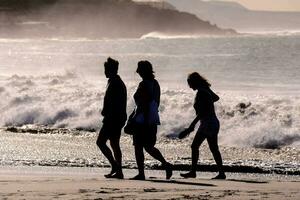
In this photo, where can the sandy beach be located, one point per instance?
(89, 183)
(60, 63)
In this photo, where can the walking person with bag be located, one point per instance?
(146, 119)
(114, 118)
(209, 127)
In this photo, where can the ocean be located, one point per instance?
(51, 94)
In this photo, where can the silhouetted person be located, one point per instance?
(209, 127)
(147, 99)
(114, 113)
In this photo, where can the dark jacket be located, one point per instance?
(147, 91)
(115, 102)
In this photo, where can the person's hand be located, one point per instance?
(191, 127)
(184, 133)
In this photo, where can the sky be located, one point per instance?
(279, 5)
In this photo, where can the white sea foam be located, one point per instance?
(70, 101)
(273, 32)
(160, 35)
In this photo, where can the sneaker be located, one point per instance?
(118, 175)
(220, 176)
(109, 175)
(113, 171)
(190, 174)
(138, 177)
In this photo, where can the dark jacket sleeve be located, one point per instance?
(142, 97)
(115, 102)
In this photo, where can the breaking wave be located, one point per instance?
(274, 33)
(68, 101)
(160, 35)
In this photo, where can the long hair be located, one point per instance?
(196, 79)
(145, 69)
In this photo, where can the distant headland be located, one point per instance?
(97, 19)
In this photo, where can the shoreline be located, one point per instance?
(176, 167)
(38, 146)
(86, 183)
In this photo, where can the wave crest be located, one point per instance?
(161, 35)
(67, 101)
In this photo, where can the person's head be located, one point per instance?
(195, 81)
(145, 69)
(111, 67)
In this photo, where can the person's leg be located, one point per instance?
(139, 157)
(198, 140)
(139, 153)
(115, 145)
(101, 143)
(214, 148)
(149, 145)
(155, 153)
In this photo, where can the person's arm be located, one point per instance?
(106, 100)
(194, 122)
(141, 98)
(190, 129)
(141, 95)
(198, 107)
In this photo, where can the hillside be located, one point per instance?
(95, 19)
(234, 15)
(157, 4)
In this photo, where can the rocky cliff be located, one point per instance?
(95, 19)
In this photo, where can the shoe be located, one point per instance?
(109, 175)
(169, 171)
(190, 174)
(138, 177)
(117, 175)
(220, 176)
(113, 171)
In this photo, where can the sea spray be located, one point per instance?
(69, 101)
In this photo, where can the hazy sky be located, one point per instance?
(288, 5)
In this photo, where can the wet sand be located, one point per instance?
(69, 148)
(89, 183)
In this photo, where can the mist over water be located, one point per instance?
(61, 84)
